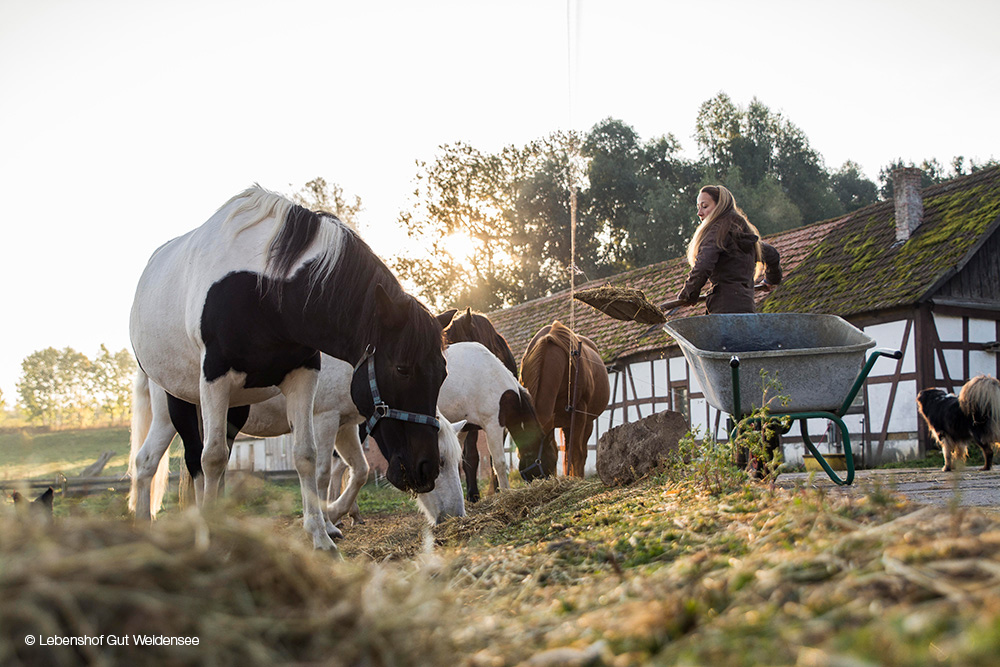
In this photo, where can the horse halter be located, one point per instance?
(382, 409)
(536, 464)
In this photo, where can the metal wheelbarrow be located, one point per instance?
(816, 363)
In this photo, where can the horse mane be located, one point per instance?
(294, 230)
(531, 365)
(563, 336)
(478, 328)
(344, 259)
(358, 273)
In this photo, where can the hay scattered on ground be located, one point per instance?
(563, 571)
(622, 303)
(248, 595)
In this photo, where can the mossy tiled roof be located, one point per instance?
(844, 266)
(860, 268)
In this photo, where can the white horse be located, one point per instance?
(238, 310)
(481, 390)
(336, 420)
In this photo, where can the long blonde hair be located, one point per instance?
(729, 213)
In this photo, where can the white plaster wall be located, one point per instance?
(678, 369)
(982, 331)
(949, 328)
(982, 362)
(643, 377)
(904, 408)
(890, 336)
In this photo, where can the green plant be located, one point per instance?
(758, 433)
(713, 465)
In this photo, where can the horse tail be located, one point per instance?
(980, 401)
(142, 419)
(533, 375)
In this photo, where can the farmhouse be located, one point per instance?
(920, 273)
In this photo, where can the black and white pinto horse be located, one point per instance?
(239, 309)
(336, 421)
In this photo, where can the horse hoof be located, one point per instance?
(324, 543)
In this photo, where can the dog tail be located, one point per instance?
(980, 401)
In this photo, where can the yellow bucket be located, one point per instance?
(835, 461)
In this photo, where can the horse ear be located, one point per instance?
(446, 317)
(393, 314)
(458, 426)
(468, 311)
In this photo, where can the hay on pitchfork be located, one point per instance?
(622, 303)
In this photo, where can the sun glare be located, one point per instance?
(459, 246)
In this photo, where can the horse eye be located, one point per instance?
(403, 370)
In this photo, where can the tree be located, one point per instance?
(318, 195)
(764, 146)
(933, 172)
(113, 376)
(852, 188)
(39, 388)
(75, 374)
(641, 196)
(766, 204)
(62, 387)
(465, 217)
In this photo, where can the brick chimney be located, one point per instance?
(909, 204)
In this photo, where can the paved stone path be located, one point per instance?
(927, 486)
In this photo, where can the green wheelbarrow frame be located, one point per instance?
(835, 417)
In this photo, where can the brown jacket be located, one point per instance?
(731, 270)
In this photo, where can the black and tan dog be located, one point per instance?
(972, 415)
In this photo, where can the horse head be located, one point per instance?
(396, 386)
(517, 415)
(538, 458)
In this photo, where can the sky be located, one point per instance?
(124, 124)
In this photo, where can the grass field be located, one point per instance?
(29, 456)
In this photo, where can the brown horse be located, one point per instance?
(565, 375)
(476, 328)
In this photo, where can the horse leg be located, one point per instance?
(337, 471)
(470, 465)
(184, 417)
(340, 468)
(577, 452)
(299, 388)
(325, 426)
(494, 440)
(351, 452)
(215, 456)
(236, 419)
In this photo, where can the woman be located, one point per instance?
(727, 250)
